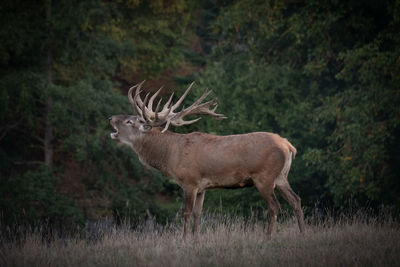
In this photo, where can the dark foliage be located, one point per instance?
(324, 74)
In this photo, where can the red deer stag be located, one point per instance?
(200, 161)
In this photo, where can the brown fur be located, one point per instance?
(200, 161)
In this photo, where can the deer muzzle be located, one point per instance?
(113, 135)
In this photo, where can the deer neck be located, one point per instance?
(154, 148)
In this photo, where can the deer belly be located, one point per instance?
(225, 182)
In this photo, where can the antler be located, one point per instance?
(168, 115)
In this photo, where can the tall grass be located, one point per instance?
(356, 240)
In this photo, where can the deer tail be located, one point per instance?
(291, 148)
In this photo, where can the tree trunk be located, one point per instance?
(48, 134)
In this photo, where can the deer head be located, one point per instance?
(130, 126)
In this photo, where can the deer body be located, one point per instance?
(200, 161)
(217, 160)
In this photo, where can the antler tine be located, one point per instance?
(138, 90)
(166, 126)
(157, 108)
(136, 99)
(181, 122)
(198, 101)
(145, 115)
(138, 110)
(165, 117)
(215, 108)
(205, 110)
(131, 99)
(177, 104)
(199, 108)
(150, 105)
(166, 106)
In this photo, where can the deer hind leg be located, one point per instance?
(189, 198)
(196, 213)
(294, 201)
(267, 192)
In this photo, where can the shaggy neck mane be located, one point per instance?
(154, 148)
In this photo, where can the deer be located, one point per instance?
(199, 161)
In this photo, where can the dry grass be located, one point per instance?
(355, 241)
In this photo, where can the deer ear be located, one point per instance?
(145, 128)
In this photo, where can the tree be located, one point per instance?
(60, 77)
(320, 74)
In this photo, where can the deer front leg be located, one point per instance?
(196, 213)
(189, 198)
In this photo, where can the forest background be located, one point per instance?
(324, 74)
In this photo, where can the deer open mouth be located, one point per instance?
(114, 135)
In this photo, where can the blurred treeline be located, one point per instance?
(324, 74)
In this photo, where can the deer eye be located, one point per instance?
(129, 122)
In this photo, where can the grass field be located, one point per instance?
(356, 240)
